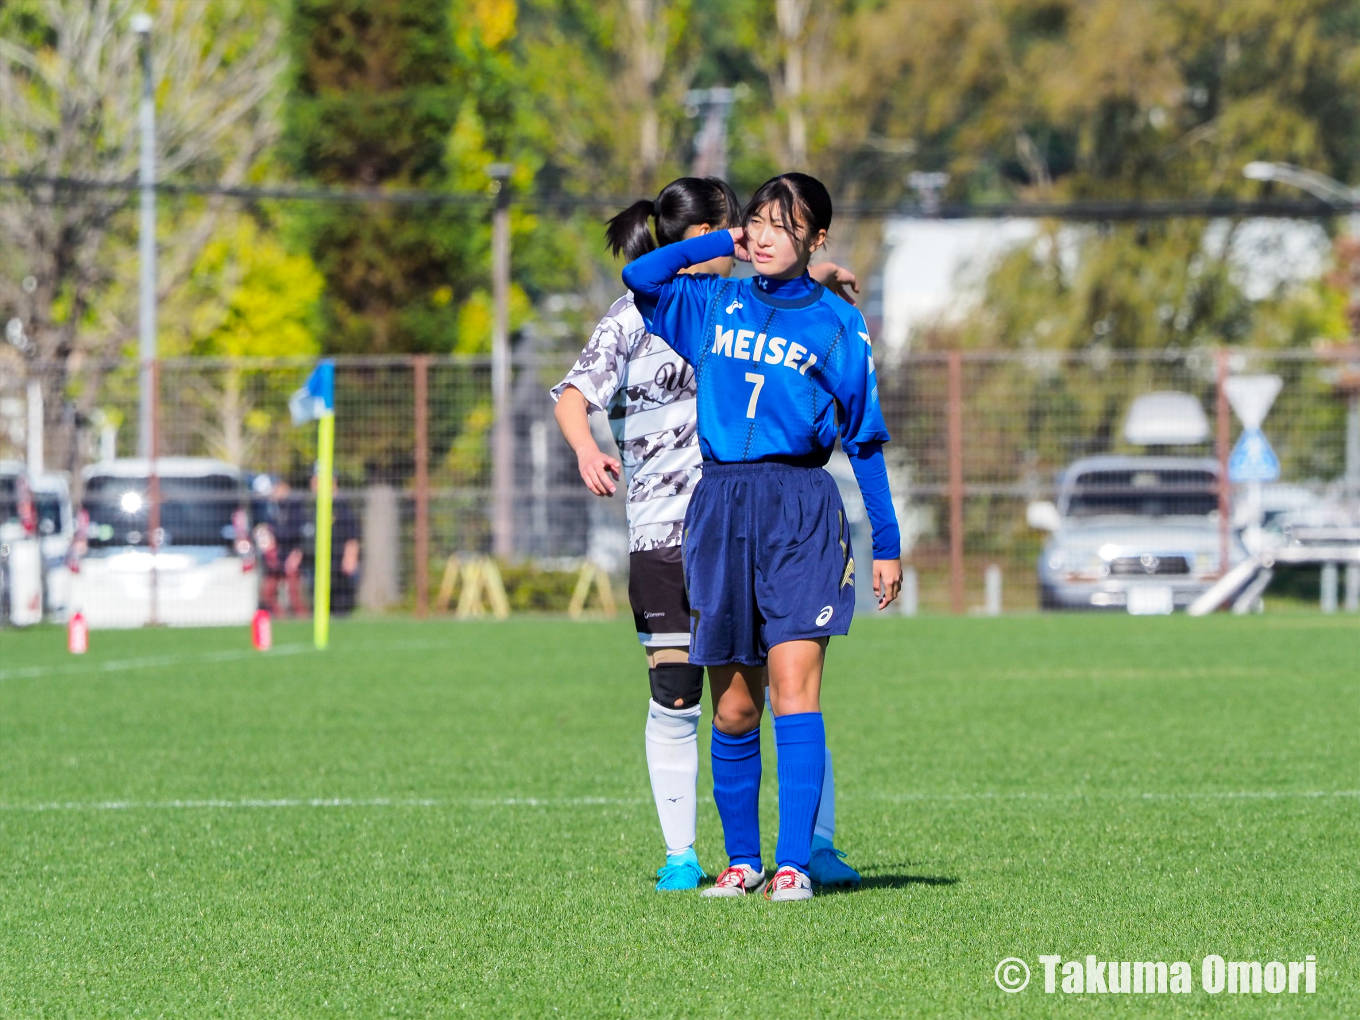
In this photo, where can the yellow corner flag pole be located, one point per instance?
(316, 402)
(325, 464)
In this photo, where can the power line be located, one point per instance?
(66, 189)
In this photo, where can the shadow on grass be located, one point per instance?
(902, 881)
(898, 882)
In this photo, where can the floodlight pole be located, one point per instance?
(141, 24)
(710, 142)
(502, 440)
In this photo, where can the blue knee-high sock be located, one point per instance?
(801, 740)
(736, 791)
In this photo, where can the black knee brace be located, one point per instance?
(676, 684)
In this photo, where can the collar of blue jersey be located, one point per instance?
(799, 292)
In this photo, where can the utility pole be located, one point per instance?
(503, 438)
(710, 142)
(141, 24)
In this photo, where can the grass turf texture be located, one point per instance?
(1136, 788)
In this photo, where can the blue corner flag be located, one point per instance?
(317, 398)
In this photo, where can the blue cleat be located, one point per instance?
(682, 871)
(828, 868)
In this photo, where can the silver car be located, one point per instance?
(1140, 534)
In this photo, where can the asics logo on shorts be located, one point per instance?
(824, 616)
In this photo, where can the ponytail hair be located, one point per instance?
(683, 203)
(803, 202)
(629, 232)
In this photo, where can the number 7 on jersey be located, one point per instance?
(759, 380)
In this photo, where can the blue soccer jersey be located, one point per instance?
(782, 368)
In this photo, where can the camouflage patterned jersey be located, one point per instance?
(648, 392)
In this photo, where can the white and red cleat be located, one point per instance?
(737, 880)
(788, 884)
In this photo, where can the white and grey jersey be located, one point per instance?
(648, 392)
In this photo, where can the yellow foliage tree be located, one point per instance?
(247, 297)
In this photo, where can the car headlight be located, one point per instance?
(1088, 567)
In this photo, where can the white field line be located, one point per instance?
(222, 655)
(1114, 795)
(547, 802)
(149, 662)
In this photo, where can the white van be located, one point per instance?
(56, 530)
(20, 554)
(202, 572)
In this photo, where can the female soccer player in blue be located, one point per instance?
(648, 393)
(781, 367)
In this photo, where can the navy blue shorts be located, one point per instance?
(767, 560)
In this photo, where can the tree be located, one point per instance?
(372, 104)
(247, 297)
(69, 87)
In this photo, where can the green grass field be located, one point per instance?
(439, 819)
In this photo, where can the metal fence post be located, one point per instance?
(992, 587)
(955, 482)
(420, 368)
(1224, 424)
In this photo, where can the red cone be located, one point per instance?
(261, 633)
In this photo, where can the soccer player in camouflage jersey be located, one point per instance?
(648, 393)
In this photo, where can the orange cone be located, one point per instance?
(261, 632)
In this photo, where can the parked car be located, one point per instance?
(202, 570)
(1131, 532)
(56, 530)
(20, 554)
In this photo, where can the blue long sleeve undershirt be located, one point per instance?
(871, 473)
(646, 276)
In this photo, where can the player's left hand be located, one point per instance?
(887, 581)
(837, 279)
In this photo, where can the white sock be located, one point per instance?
(826, 811)
(673, 763)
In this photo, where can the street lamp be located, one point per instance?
(141, 24)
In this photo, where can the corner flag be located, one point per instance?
(316, 402)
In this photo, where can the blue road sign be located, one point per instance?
(1252, 459)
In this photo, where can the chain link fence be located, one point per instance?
(980, 440)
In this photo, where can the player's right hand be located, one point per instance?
(596, 467)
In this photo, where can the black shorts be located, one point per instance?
(656, 590)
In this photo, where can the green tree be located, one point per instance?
(372, 104)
